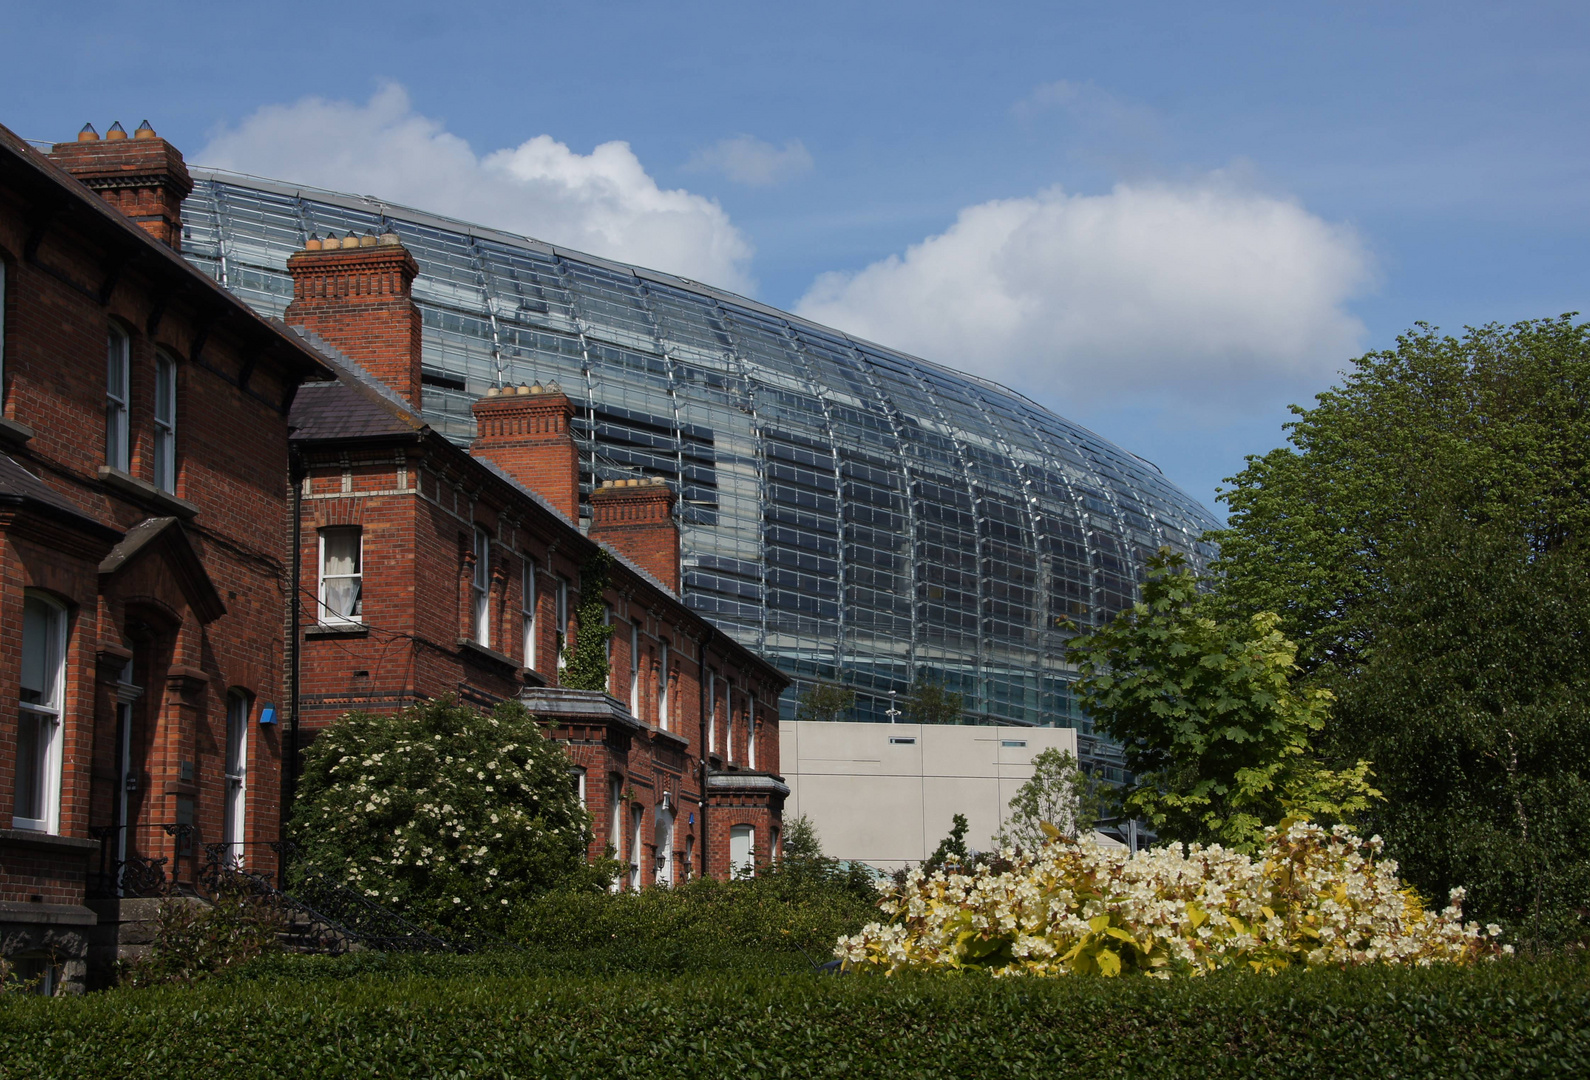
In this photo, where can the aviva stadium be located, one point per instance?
(850, 512)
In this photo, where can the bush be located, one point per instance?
(776, 922)
(443, 814)
(1311, 899)
(194, 939)
(1508, 1019)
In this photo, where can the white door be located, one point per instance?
(237, 710)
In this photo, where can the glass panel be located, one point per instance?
(342, 583)
(33, 740)
(40, 664)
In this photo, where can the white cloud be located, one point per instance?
(1206, 289)
(748, 160)
(604, 202)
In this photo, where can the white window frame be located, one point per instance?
(664, 721)
(480, 588)
(562, 628)
(615, 824)
(234, 825)
(118, 369)
(165, 423)
(634, 668)
(50, 716)
(327, 617)
(750, 732)
(746, 866)
(527, 612)
(712, 713)
(637, 825)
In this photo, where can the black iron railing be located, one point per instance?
(139, 873)
(325, 916)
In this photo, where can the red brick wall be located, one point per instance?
(636, 518)
(231, 451)
(145, 178)
(526, 434)
(358, 299)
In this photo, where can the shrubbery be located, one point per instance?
(196, 938)
(1508, 1019)
(1312, 898)
(444, 814)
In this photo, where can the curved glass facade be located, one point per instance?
(848, 511)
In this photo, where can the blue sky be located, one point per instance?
(1165, 221)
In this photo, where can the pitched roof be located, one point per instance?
(19, 487)
(54, 187)
(354, 406)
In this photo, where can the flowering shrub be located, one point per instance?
(1311, 898)
(443, 814)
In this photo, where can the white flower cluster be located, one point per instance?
(1311, 898)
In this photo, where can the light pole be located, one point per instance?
(891, 712)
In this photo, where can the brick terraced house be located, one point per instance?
(429, 570)
(144, 517)
(164, 452)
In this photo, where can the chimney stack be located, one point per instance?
(635, 518)
(525, 433)
(144, 177)
(357, 293)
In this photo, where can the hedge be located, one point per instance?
(1511, 1018)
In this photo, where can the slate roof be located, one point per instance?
(354, 406)
(19, 487)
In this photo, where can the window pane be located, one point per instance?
(115, 366)
(33, 740)
(236, 731)
(165, 396)
(343, 596)
(40, 665)
(342, 552)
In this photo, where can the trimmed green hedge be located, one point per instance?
(1515, 1019)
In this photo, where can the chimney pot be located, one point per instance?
(367, 240)
(144, 131)
(313, 243)
(537, 388)
(390, 239)
(350, 241)
(492, 391)
(522, 389)
(116, 131)
(88, 134)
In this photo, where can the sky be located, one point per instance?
(1167, 222)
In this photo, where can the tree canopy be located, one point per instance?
(1425, 538)
(442, 813)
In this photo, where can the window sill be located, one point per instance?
(47, 841)
(13, 433)
(337, 630)
(466, 645)
(146, 493)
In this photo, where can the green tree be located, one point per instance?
(801, 840)
(928, 702)
(1424, 538)
(588, 666)
(1059, 793)
(1207, 715)
(442, 813)
(825, 701)
(951, 849)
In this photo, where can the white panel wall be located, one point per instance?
(889, 803)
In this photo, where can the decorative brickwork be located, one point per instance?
(525, 433)
(357, 296)
(144, 177)
(635, 517)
